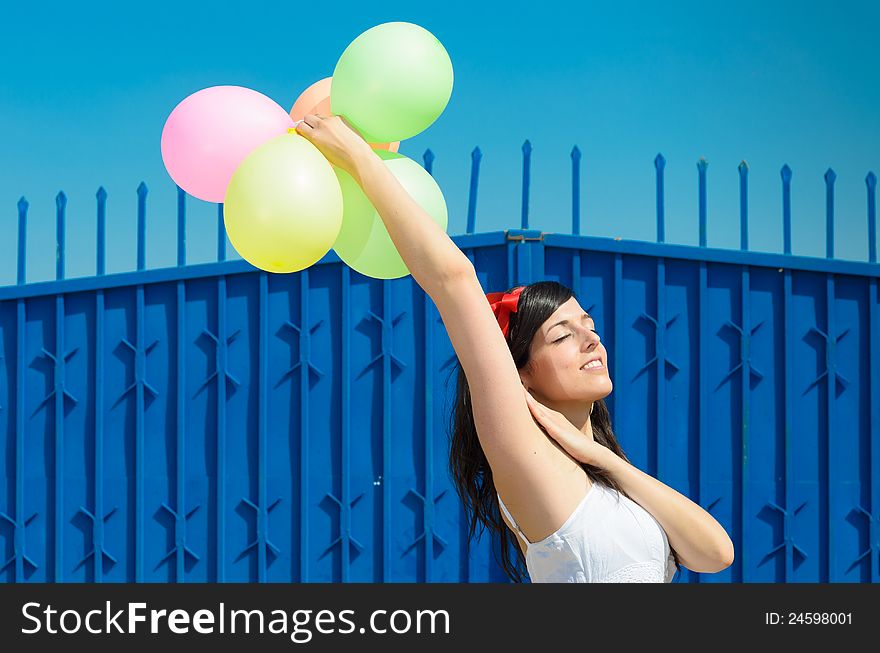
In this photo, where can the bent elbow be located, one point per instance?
(451, 276)
(725, 558)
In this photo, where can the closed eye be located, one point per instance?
(568, 334)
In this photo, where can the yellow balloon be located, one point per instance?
(283, 205)
(364, 243)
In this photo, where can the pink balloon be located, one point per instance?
(210, 133)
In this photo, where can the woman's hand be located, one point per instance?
(341, 145)
(582, 447)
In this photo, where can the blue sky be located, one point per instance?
(85, 89)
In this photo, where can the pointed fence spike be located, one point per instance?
(22, 239)
(871, 182)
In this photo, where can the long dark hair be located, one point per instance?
(470, 469)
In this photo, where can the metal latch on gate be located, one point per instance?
(524, 234)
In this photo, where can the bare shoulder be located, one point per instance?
(543, 500)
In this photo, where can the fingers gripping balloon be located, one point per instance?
(316, 100)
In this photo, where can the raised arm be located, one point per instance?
(519, 453)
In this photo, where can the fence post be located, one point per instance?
(101, 244)
(702, 164)
(476, 157)
(60, 211)
(575, 190)
(786, 208)
(830, 176)
(527, 162)
(659, 167)
(743, 205)
(22, 239)
(221, 234)
(141, 225)
(428, 158)
(871, 182)
(181, 227)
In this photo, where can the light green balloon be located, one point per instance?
(392, 82)
(283, 205)
(363, 242)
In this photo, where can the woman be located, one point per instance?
(533, 366)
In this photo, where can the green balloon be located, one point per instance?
(363, 242)
(392, 82)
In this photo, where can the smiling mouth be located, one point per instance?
(593, 365)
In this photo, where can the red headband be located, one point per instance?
(503, 304)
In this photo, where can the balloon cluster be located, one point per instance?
(285, 205)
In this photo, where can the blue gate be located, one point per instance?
(215, 422)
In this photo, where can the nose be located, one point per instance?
(591, 340)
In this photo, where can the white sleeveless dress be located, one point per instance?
(609, 538)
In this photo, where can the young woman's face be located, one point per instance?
(558, 355)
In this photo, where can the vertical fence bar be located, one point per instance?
(743, 169)
(60, 212)
(618, 338)
(788, 407)
(222, 365)
(141, 225)
(262, 512)
(510, 281)
(387, 326)
(59, 390)
(305, 332)
(660, 367)
(703, 398)
(98, 516)
(702, 165)
(181, 227)
(181, 514)
(575, 218)
(18, 537)
(659, 168)
(873, 452)
(871, 183)
(830, 383)
(830, 367)
(428, 158)
(101, 237)
(575, 190)
(526, 177)
(785, 173)
(830, 176)
(428, 387)
(140, 367)
(345, 447)
(221, 234)
(22, 240)
(476, 157)
(745, 412)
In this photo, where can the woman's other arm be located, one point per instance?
(701, 542)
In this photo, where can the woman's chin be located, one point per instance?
(601, 390)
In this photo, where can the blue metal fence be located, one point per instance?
(215, 422)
